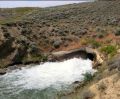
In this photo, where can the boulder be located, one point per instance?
(2, 71)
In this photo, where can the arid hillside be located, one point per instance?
(27, 34)
(13, 14)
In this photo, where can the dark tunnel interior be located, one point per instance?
(90, 56)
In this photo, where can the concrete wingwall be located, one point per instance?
(85, 53)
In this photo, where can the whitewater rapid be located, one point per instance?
(49, 74)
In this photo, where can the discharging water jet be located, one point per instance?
(50, 75)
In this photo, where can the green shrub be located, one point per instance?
(44, 58)
(109, 50)
(34, 58)
(95, 43)
(88, 77)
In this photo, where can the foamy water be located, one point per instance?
(50, 74)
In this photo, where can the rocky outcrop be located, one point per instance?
(16, 49)
(84, 53)
(2, 71)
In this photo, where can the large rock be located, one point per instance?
(2, 71)
(84, 53)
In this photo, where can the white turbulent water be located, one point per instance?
(45, 75)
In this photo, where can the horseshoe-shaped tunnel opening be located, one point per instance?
(91, 56)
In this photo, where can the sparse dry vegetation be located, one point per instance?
(26, 34)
